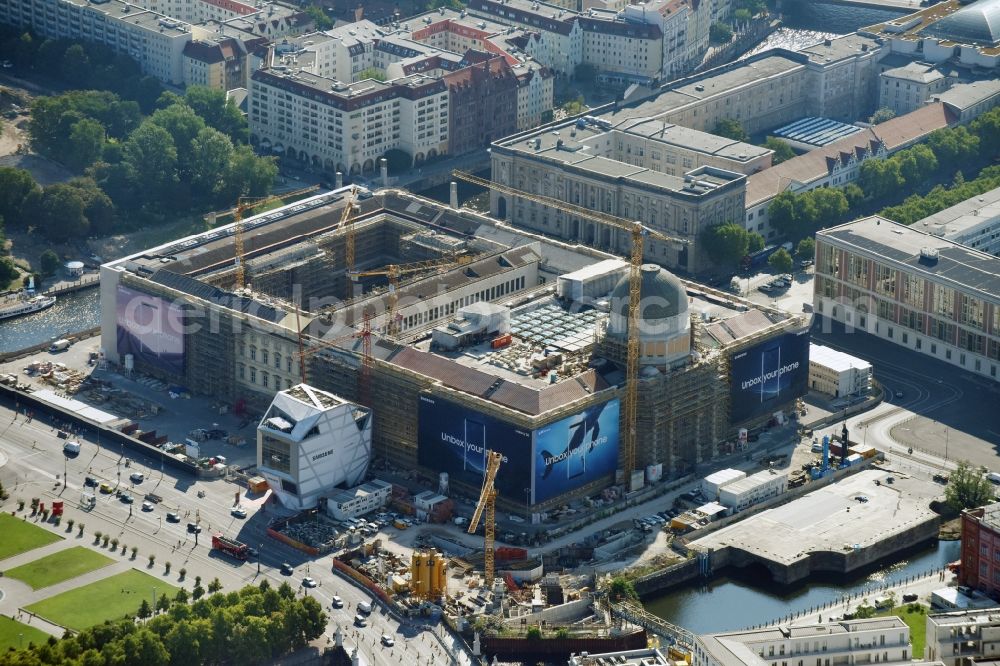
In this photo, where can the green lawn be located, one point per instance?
(917, 621)
(20, 536)
(59, 566)
(13, 634)
(107, 599)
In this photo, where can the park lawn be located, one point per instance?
(20, 536)
(60, 566)
(14, 634)
(915, 616)
(108, 599)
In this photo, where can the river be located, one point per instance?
(736, 600)
(72, 312)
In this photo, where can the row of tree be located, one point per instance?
(252, 626)
(80, 65)
(190, 154)
(916, 207)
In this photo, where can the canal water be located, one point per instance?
(72, 312)
(739, 599)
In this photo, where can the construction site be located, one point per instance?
(586, 373)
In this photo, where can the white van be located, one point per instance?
(994, 477)
(71, 448)
(365, 607)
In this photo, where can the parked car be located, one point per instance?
(308, 582)
(173, 518)
(137, 477)
(126, 498)
(286, 569)
(147, 506)
(387, 640)
(360, 621)
(90, 482)
(337, 602)
(239, 512)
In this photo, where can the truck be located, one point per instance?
(230, 547)
(60, 345)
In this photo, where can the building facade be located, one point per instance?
(358, 501)
(913, 289)
(741, 494)
(963, 637)
(838, 374)
(907, 88)
(884, 640)
(310, 442)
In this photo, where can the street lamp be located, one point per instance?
(259, 549)
(527, 504)
(154, 601)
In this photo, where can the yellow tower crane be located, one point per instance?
(393, 272)
(244, 204)
(638, 233)
(347, 220)
(487, 502)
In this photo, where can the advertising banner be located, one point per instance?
(576, 450)
(151, 329)
(768, 375)
(454, 439)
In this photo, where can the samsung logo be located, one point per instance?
(322, 455)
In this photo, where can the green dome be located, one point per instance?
(662, 295)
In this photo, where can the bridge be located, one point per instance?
(673, 634)
(901, 6)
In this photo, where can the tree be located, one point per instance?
(8, 272)
(854, 195)
(214, 586)
(742, 15)
(218, 111)
(75, 64)
(968, 488)
(248, 175)
(726, 244)
(533, 634)
(880, 178)
(574, 107)
(881, 115)
(144, 610)
(720, 33)
(953, 146)
(197, 592)
(830, 208)
(755, 242)
(163, 603)
(151, 153)
(780, 261)
(49, 262)
(86, 142)
(622, 589)
(398, 160)
(782, 151)
(15, 186)
(806, 248)
(184, 126)
(211, 152)
(731, 129)
(371, 73)
(58, 212)
(182, 596)
(916, 164)
(319, 17)
(182, 571)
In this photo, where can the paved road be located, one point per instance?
(35, 464)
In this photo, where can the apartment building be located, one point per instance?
(980, 568)
(652, 41)
(928, 294)
(884, 640)
(346, 127)
(963, 637)
(153, 40)
(218, 63)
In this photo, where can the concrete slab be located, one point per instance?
(830, 529)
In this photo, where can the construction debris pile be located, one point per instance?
(57, 374)
(316, 532)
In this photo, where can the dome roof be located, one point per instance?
(662, 295)
(978, 23)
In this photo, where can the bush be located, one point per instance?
(533, 634)
(806, 248)
(720, 33)
(49, 263)
(781, 261)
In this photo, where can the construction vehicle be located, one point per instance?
(638, 233)
(487, 503)
(230, 547)
(244, 205)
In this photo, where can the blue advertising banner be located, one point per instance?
(768, 375)
(151, 329)
(454, 439)
(576, 450)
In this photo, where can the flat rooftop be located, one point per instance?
(836, 360)
(968, 214)
(966, 269)
(831, 519)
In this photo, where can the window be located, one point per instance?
(253, 353)
(253, 375)
(275, 453)
(264, 379)
(277, 360)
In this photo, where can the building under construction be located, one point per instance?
(463, 335)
